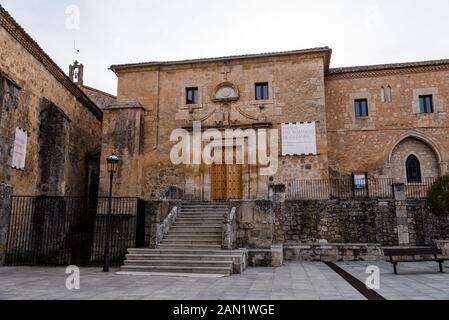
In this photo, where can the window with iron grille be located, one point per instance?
(361, 107)
(426, 104)
(262, 91)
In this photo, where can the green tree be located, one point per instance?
(439, 197)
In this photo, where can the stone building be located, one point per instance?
(48, 125)
(400, 127)
(386, 121)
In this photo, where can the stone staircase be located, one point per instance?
(192, 245)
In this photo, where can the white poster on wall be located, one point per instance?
(299, 139)
(20, 149)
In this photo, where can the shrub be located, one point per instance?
(439, 197)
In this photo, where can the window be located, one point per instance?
(192, 96)
(9, 93)
(382, 94)
(262, 91)
(389, 94)
(413, 168)
(361, 108)
(426, 104)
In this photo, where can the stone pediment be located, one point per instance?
(226, 92)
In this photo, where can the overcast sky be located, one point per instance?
(123, 31)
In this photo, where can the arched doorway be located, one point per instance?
(413, 160)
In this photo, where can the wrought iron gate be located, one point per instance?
(61, 231)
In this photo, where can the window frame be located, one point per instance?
(413, 170)
(264, 90)
(195, 96)
(426, 104)
(358, 108)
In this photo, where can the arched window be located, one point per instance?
(382, 94)
(413, 167)
(389, 94)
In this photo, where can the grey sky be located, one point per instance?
(119, 31)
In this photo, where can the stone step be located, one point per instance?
(214, 210)
(180, 263)
(200, 216)
(196, 229)
(178, 269)
(184, 252)
(199, 222)
(193, 237)
(191, 242)
(183, 219)
(190, 232)
(189, 246)
(205, 204)
(177, 256)
(200, 213)
(197, 225)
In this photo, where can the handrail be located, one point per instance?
(164, 227)
(228, 229)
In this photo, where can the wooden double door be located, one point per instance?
(227, 182)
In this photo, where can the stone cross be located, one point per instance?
(225, 73)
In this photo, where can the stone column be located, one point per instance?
(401, 214)
(5, 210)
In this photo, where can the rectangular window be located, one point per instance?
(361, 108)
(262, 91)
(426, 104)
(192, 96)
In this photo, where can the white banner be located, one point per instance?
(299, 139)
(20, 149)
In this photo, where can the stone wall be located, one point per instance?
(254, 224)
(40, 79)
(358, 221)
(5, 207)
(333, 221)
(424, 228)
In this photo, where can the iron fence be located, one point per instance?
(419, 190)
(349, 188)
(60, 231)
(323, 189)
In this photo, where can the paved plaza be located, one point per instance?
(293, 281)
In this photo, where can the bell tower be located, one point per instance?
(76, 72)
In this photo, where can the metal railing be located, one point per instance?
(343, 189)
(419, 190)
(60, 231)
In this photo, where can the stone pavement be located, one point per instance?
(415, 281)
(294, 281)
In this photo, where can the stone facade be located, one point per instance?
(296, 83)
(379, 144)
(62, 124)
(302, 88)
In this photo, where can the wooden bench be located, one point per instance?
(414, 255)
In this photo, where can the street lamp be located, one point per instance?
(112, 161)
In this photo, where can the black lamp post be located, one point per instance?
(113, 161)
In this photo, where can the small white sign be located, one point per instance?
(20, 149)
(360, 180)
(299, 139)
